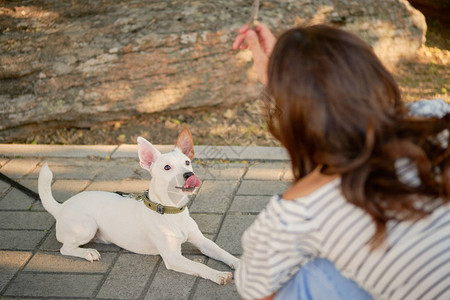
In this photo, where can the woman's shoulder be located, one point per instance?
(310, 185)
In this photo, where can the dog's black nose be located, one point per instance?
(187, 175)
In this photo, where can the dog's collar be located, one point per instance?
(159, 208)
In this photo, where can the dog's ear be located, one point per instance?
(148, 154)
(185, 143)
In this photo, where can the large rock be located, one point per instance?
(80, 62)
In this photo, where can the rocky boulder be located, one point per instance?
(80, 62)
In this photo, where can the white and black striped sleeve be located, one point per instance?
(274, 248)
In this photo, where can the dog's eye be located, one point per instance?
(188, 163)
(167, 167)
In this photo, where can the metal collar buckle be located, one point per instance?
(160, 209)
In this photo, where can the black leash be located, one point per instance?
(19, 186)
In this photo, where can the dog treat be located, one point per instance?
(253, 22)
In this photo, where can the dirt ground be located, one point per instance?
(425, 76)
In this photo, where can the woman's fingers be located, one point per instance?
(244, 28)
(239, 41)
(268, 40)
(260, 58)
(254, 44)
(260, 42)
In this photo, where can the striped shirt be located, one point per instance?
(413, 263)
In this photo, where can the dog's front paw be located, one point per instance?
(92, 254)
(224, 278)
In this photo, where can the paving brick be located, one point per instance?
(256, 187)
(214, 196)
(123, 170)
(53, 285)
(25, 220)
(16, 200)
(288, 175)
(20, 239)
(84, 151)
(241, 153)
(52, 244)
(37, 206)
(129, 186)
(3, 187)
(208, 223)
(130, 151)
(13, 150)
(70, 169)
(207, 289)
(31, 184)
(248, 204)
(221, 152)
(11, 262)
(266, 171)
(55, 262)
(3, 161)
(128, 277)
(62, 190)
(169, 284)
(18, 167)
(226, 171)
(230, 234)
(126, 151)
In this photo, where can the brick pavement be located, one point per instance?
(237, 183)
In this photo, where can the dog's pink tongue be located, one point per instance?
(192, 182)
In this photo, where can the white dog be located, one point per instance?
(157, 224)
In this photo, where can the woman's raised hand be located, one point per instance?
(260, 41)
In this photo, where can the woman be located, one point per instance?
(372, 183)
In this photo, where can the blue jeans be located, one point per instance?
(319, 280)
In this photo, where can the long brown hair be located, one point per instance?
(333, 104)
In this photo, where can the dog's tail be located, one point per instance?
(45, 191)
